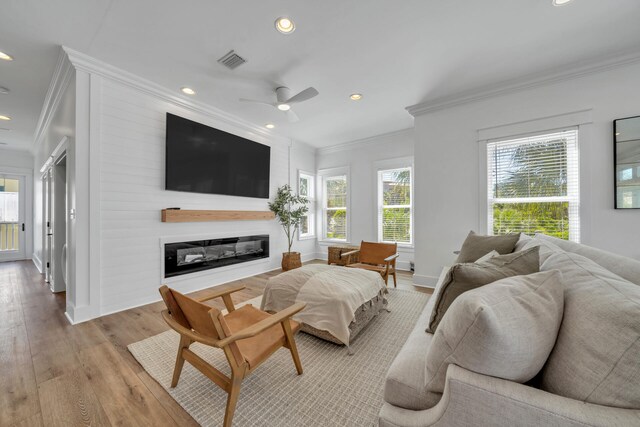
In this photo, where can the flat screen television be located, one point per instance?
(201, 159)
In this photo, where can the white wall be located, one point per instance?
(361, 157)
(448, 196)
(131, 179)
(16, 159)
(303, 158)
(21, 162)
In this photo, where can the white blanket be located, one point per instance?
(332, 293)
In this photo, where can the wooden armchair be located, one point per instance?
(380, 257)
(248, 336)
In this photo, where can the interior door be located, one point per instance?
(12, 217)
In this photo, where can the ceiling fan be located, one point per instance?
(284, 100)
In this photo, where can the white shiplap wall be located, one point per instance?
(132, 151)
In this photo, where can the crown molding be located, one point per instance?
(530, 81)
(92, 65)
(359, 143)
(60, 79)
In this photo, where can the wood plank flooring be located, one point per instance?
(56, 374)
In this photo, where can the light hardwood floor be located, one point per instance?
(56, 374)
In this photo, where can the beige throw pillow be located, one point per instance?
(476, 245)
(464, 277)
(505, 329)
(596, 358)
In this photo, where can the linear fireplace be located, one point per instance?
(188, 257)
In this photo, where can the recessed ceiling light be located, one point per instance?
(285, 25)
(269, 125)
(5, 118)
(284, 107)
(188, 90)
(6, 56)
(560, 2)
(356, 96)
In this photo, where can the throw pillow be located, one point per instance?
(464, 277)
(546, 248)
(476, 245)
(487, 256)
(505, 329)
(522, 240)
(596, 358)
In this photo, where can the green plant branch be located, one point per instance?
(289, 209)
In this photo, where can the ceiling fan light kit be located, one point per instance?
(284, 100)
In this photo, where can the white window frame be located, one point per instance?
(323, 175)
(573, 183)
(391, 164)
(311, 215)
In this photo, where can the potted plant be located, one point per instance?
(289, 209)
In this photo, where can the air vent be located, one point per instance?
(232, 60)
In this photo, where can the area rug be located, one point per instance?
(335, 390)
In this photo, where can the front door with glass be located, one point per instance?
(12, 227)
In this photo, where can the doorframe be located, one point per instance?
(28, 209)
(56, 156)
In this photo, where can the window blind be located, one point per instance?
(335, 207)
(533, 185)
(395, 206)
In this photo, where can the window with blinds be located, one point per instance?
(533, 185)
(335, 207)
(395, 214)
(306, 188)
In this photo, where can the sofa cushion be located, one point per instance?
(464, 277)
(546, 248)
(406, 380)
(596, 358)
(627, 268)
(476, 245)
(505, 329)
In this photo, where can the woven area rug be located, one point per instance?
(335, 390)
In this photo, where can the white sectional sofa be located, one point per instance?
(596, 358)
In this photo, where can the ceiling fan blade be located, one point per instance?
(254, 101)
(308, 93)
(292, 117)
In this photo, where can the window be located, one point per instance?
(533, 185)
(395, 201)
(334, 209)
(306, 188)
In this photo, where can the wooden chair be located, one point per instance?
(247, 336)
(380, 257)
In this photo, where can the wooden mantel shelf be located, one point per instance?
(175, 215)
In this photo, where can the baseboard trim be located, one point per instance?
(425, 281)
(37, 262)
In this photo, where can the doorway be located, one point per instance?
(54, 184)
(12, 217)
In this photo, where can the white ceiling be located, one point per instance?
(397, 53)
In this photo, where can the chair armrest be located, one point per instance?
(193, 335)
(501, 402)
(391, 258)
(349, 253)
(222, 292)
(262, 325)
